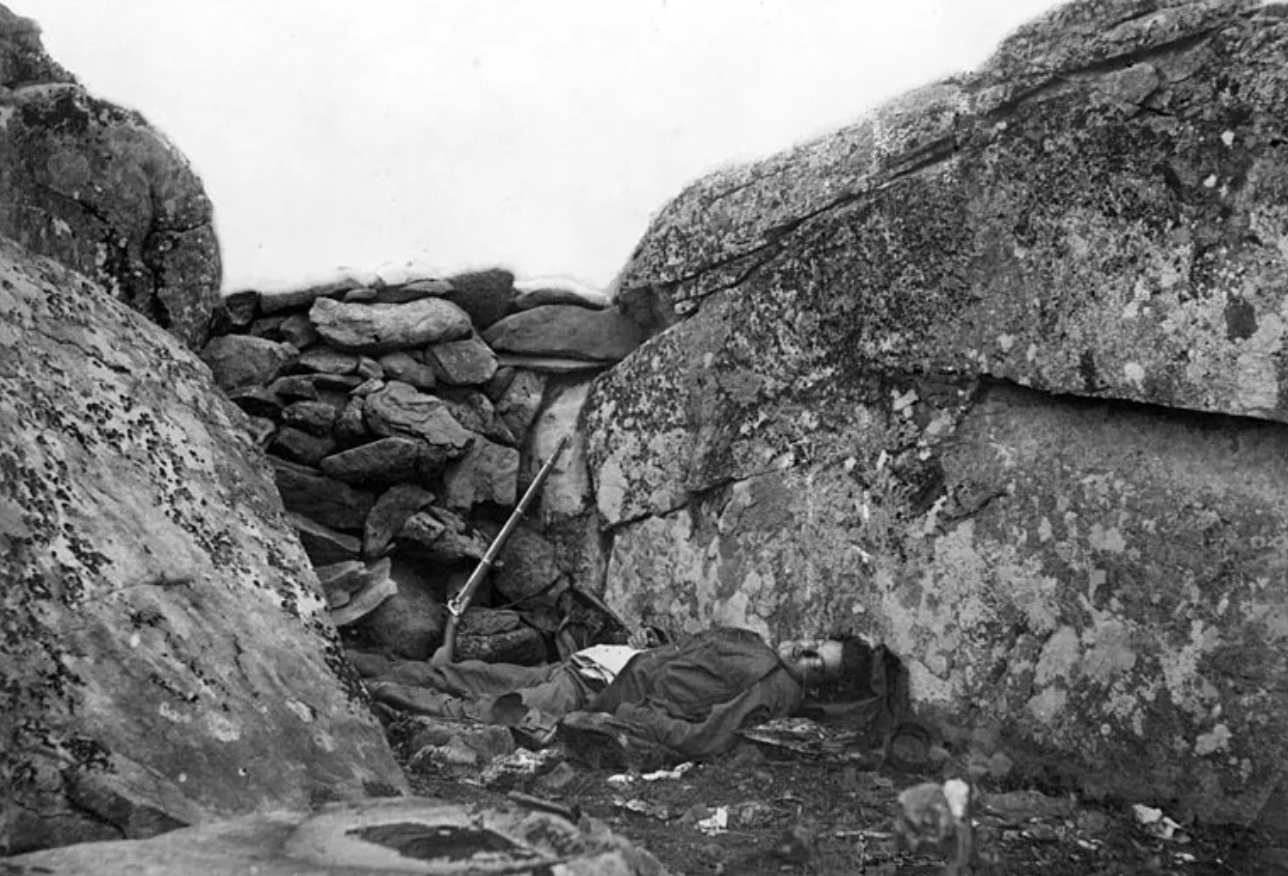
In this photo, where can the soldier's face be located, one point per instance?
(812, 661)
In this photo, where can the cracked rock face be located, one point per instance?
(97, 188)
(996, 374)
(166, 655)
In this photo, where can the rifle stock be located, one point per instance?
(446, 652)
(457, 605)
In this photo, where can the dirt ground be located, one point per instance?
(790, 816)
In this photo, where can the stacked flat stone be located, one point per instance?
(395, 416)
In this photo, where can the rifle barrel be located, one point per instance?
(458, 603)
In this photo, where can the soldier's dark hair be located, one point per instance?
(855, 679)
(872, 693)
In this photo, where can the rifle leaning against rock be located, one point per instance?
(457, 605)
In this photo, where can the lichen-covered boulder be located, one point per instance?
(1120, 234)
(416, 835)
(996, 374)
(166, 656)
(94, 186)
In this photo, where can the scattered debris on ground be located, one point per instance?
(752, 814)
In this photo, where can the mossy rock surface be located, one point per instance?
(96, 187)
(166, 654)
(997, 375)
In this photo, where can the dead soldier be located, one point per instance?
(687, 700)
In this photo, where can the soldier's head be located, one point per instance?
(834, 668)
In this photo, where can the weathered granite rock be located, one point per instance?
(423, 529)
(297, 331)
(97, 188)
(485, 295)
(314, 417)
(568, 491)
(392, 511)
(363, 295)
(566, 330)
(461, 363)
(482, 622)
(519, 403)
(328, 501)
(340, 580)
(566, 514)
(415, 834)
(487, 473)
(400, 409)
(386, 461)
(413, 291)
(499, 382)
(401, 366)
(828, 436)
(1143, 226)
(336, 384)
(527, 565)
(167, 658)
(323, 544)
(498, 636)
(234, 312)
(475, 412)
(261, 431)
(244, 360)
(268, 327)
(256, 401)
(351, 424)
(325, 360)
(383, 328)
(552, 364)
(302, 447)
(538, 291)
(23, 60)
(408, 624)
(355, 589)
(442, 536)
(295, 387)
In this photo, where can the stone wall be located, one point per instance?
(404, 420)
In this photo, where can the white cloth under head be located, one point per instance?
(602, 662)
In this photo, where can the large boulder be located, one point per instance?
(96, 187)
(167, 656)
(416, 835)
(862, 409)
(1116, 235)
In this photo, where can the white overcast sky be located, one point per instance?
(538, 135)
